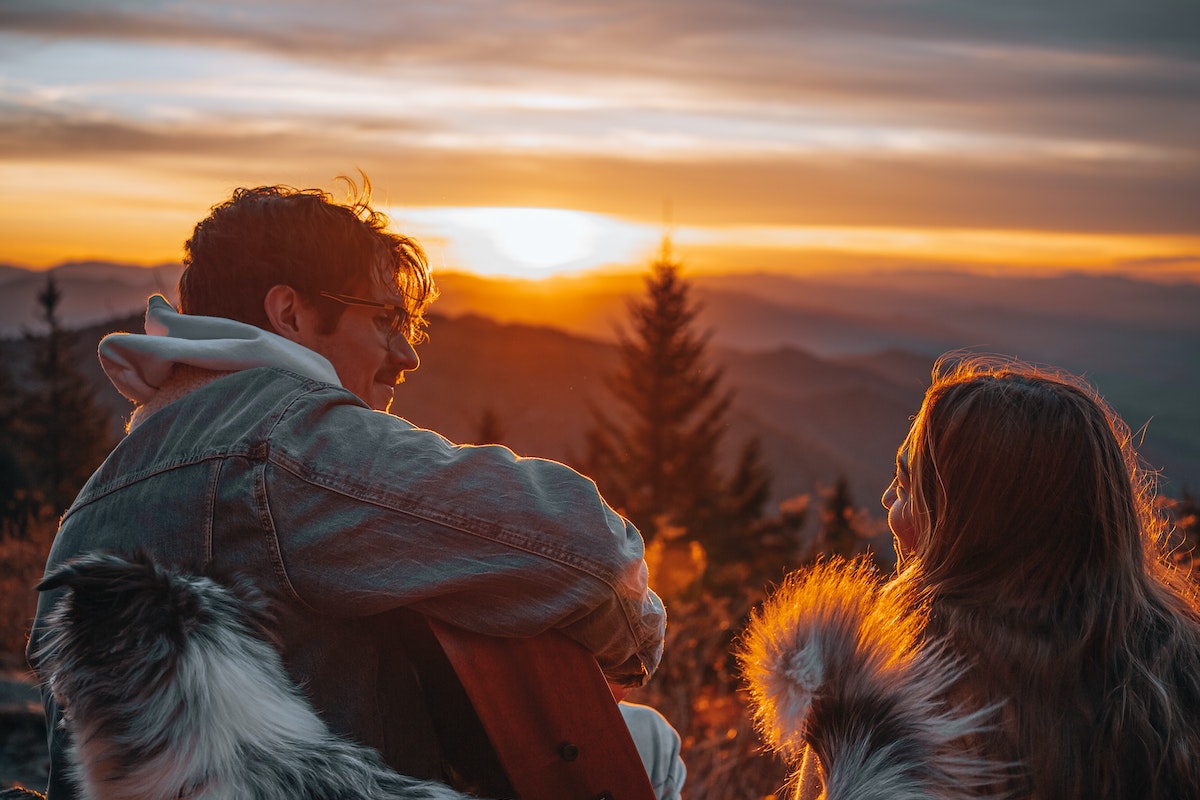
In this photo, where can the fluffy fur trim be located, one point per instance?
(836, 664)
(182, 380)
(171, 688)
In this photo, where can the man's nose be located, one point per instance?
(403, 354)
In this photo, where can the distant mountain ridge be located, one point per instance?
(827, 370)
(93, 292)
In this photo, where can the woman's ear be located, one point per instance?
(285, 311)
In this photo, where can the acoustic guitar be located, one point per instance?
(531, 719)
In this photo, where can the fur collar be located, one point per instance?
(180, 381)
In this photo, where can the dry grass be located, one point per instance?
(698, 688)
(22, 561)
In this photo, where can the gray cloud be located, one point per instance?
(1116, 81)
(1152, 199)
(1115, 70)
(663, 35)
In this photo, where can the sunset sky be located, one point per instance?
(543, 136)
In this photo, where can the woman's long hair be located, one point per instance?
(1040, 548)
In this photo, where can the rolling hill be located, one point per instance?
(827, 370)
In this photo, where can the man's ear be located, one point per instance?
(285, 311)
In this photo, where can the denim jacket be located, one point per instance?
(349, 515)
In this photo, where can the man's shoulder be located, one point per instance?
(263, 377)
(288, 407)
(229, 410)
(269, 389)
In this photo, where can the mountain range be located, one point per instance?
(827, 370)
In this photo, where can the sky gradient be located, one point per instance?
(764, 134)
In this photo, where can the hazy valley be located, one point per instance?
(827, 370)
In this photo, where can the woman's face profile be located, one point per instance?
(897, 499)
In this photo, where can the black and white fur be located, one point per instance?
(836, 665)
(171, 688)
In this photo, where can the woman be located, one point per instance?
(1036, 641)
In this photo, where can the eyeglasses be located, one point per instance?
(399, 314)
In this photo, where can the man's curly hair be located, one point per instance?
(305, 239)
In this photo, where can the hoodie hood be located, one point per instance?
(139, 364)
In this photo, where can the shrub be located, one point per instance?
(23, 554)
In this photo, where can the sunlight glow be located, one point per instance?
(1010, 248)
(526, 242)
(116, 212)
(540, 237)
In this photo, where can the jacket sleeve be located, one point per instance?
(370, 513)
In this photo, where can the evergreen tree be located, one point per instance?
(61, 433)
(839, 535)
(489, 429)
(17, 505)
(656, 454)
(749, 486)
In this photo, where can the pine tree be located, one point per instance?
(839, 535)
(749, 486)
(17, 505)
(656, 452)
(489, 429)
(61, 433)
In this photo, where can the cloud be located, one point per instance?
(870, 183)
(1017, 71)
(1019, 114)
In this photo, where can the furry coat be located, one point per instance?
(837, 667)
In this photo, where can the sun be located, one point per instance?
(540, 238)
(527, 242)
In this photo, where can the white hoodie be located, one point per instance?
(181, 352)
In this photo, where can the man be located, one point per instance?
(257, 445)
